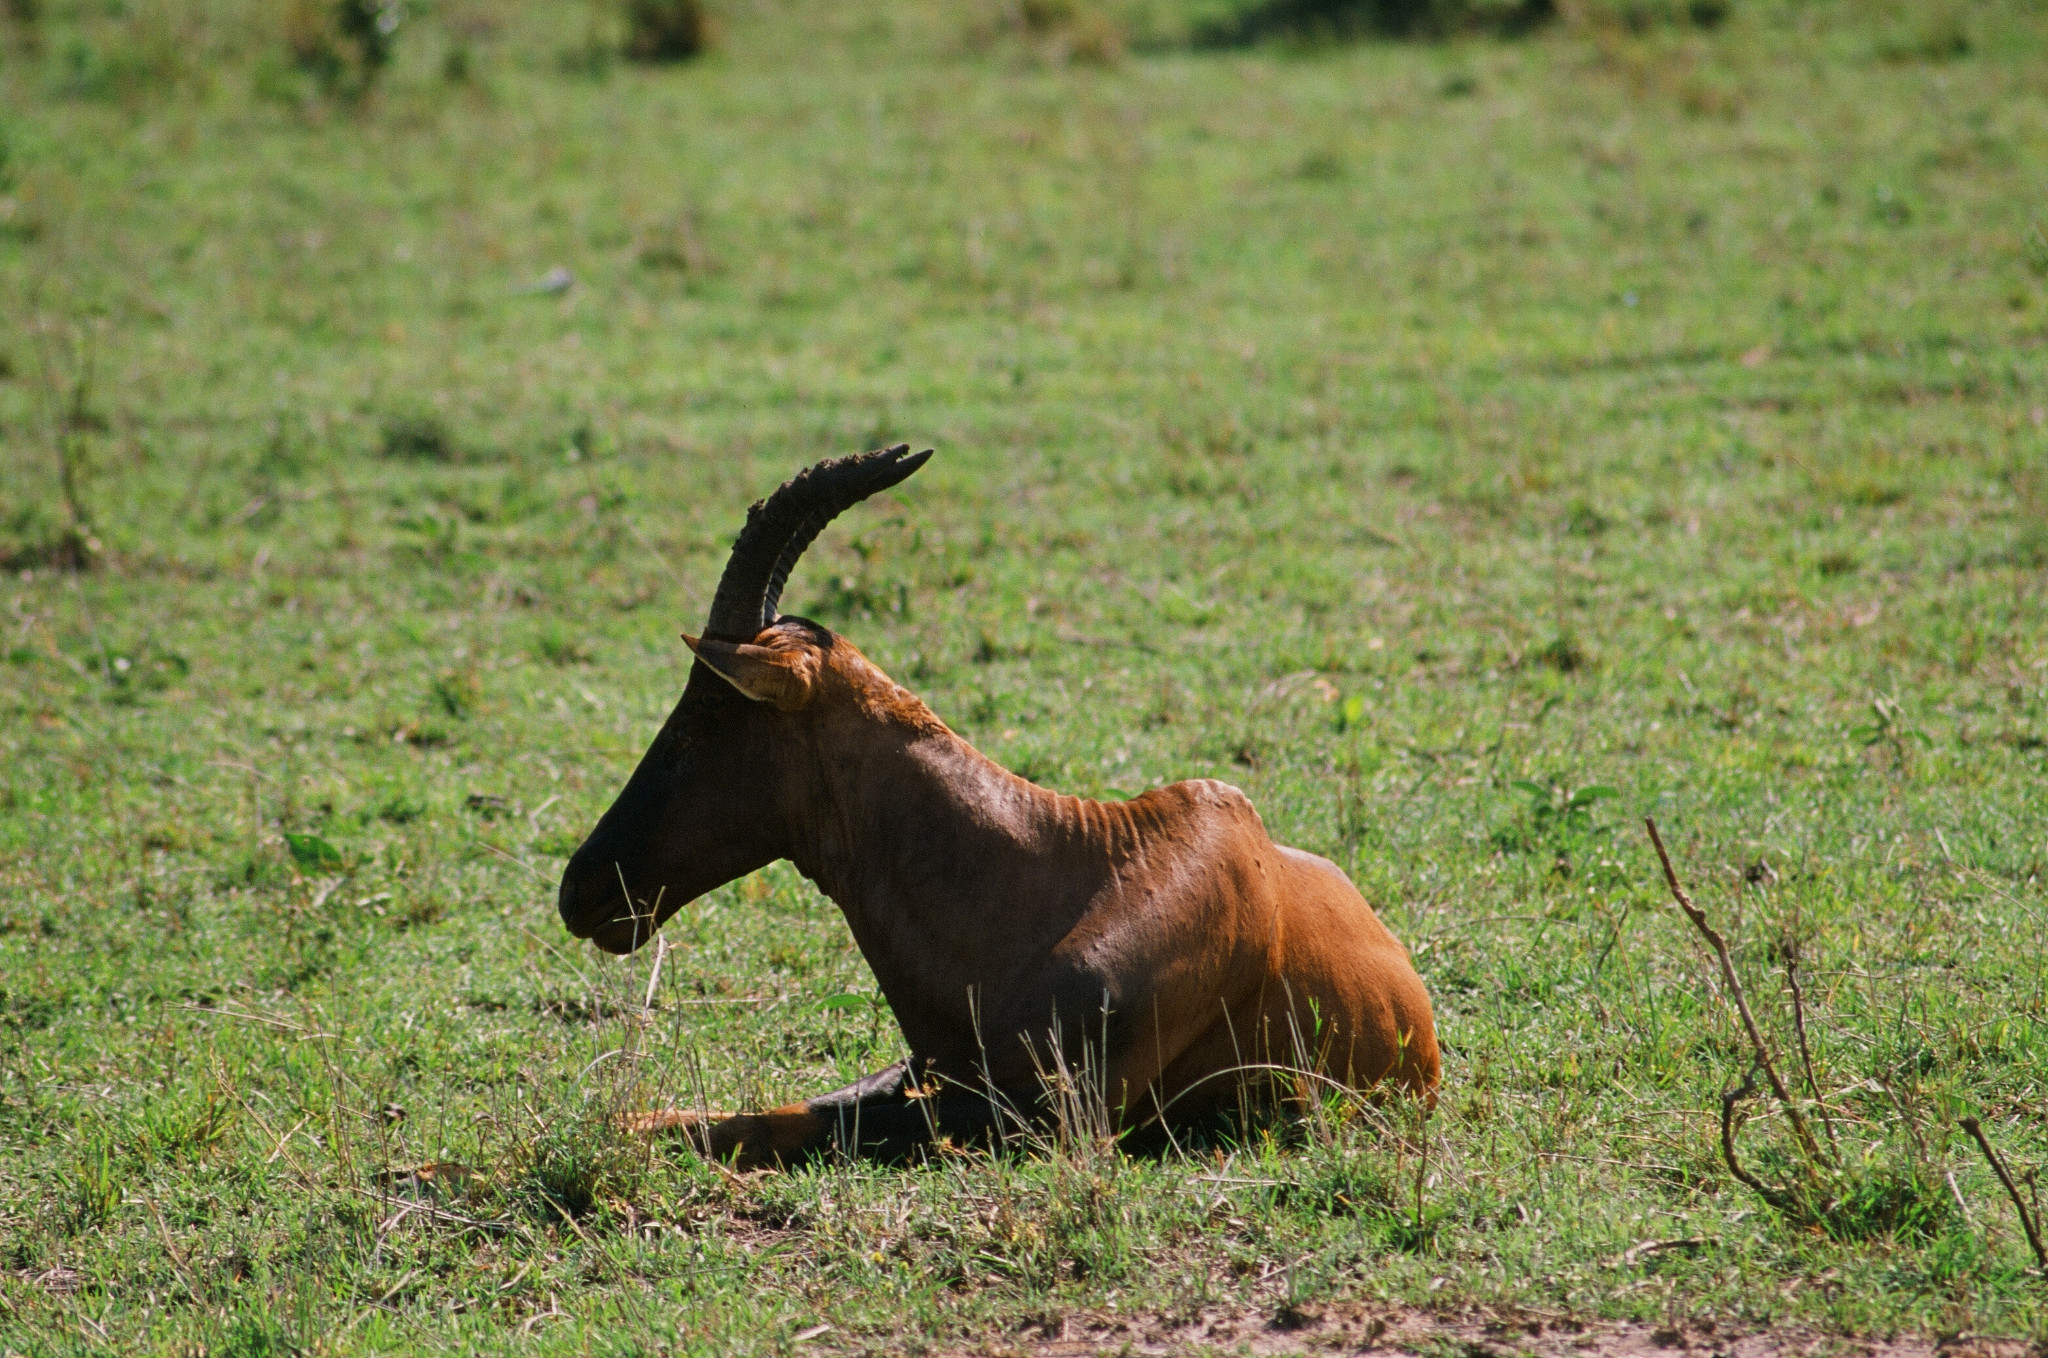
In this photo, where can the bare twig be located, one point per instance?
(2027, 1223)
(1757, 1044)
(1776, 1197)
(1820, 1106)
(1955, 1191)
(66, 410)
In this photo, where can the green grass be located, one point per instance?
(1414, 435)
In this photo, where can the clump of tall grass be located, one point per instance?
(575, 1161)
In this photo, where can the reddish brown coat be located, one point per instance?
(1166, 944)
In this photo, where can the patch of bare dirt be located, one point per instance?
(1359, 1328)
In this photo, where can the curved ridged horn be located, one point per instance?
(781, 526)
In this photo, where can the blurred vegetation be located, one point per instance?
(665, 30)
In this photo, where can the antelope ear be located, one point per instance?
(768, 674)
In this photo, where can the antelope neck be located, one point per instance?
(949, 868)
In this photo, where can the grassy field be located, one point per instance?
(1415, 435)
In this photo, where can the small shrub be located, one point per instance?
(17, 225)
(676, 245)
(662, 31)
(1562, 653)
(1328, 19)
(1348, 1182)
(149, 669)
(456, 692)
(1094, 40)
(1584, 519)
(558, 646)
(1936, 35)
(589, 59)
(1556, 816)
(400, 810)
(63, 549)
(1061, 31)
(559, 845)
(421, 735)
(148, 52)
(849, 596)
(1320, 167)
(1838, 562)
(1045, 16)
(418, 438)
(343, 44)
(1642, 16)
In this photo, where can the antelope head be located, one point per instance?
(708, 802)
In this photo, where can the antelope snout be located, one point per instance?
(594, 904)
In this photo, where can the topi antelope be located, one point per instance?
(1164, 943)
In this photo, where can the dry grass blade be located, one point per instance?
(414, 1207)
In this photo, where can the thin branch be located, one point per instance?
(1776, 1197)
(2027, 1224)
(1728, 978)
(1805, 1053)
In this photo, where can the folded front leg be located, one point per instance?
(888, 1116)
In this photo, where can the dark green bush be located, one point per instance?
(1231, 23)
(343, 44)
(418, 437)
(1325, 19)
(665, 30)
(1640, 16)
